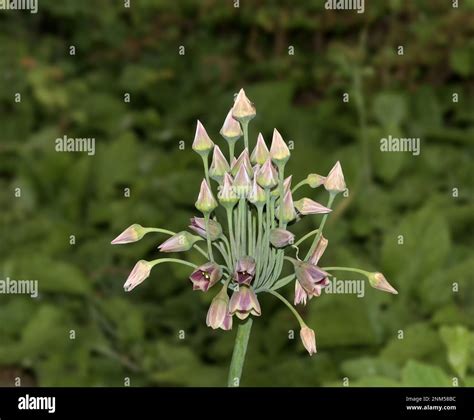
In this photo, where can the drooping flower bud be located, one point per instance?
(181, 241)
(219, 165)
(286, 211)
(218, 314)
(307, 206)
(244, 302)
(319, 250)
(311, 278)
(202, 143)
(140, 273)
(132, 234)
(267, 176)
(309, 340)
(378, 281)
(279, 150)
(231, 130)
(280, 238)
(260, 153)
(205, 276)
(242, 182)
(206, 201)
(227, 195)
(198, 225)
(257, 195)
(245, 270)
(335, 180)
(243, 160)
(243, 110)
(315, 180)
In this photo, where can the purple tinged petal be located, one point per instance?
(378, 281)
(231, 129)
(300, 294)
(335, 180)
(140, 273)
(202, 143)
(267, 176)
(219, 165)
(227, 195)
(243, 109)
(205, 276)
(133, 233)
(319, 251)
(286, 212)
(307, 206)
(206, 202)
(308, 339)
(260, 153)
(219, 310)
(279, 151)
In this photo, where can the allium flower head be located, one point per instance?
(218, 314)
(335, 180)
(260, 153)
(205, 276)
(307, 206)
(181, 241)
(139, 274)
(245, 270)
(132, 234)
(309, 340)
(206, 202)
(231, 129)
(244, 302)
(243, 110)
(198, 225)
(279, 150)
(202, 143)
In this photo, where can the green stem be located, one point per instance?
(238, 355)
(231, 234)
(205, 162)
(354, 270)
(231, 151)
(208, 237)
(281, 177)
(305, 237)
(320, 229)
(245, 126)
(289, 305)
(172, 260)
(299, 185)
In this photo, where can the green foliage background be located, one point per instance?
(135, 50)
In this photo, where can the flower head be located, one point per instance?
(243, 110)
(205, 276)
(279, 150)
(206, 202)
(202, 143)
(139, 274)
(218, 314)
(280, 238)
(260, 153)
(245, 270)
(334, 182)
(307, 206)
(244, 302)
(198, 225)
(179, 242)
(132, 234)
(309, 340)
(231, 130)
(378, 281)
(219, 165)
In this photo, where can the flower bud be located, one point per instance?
(219, 310)
(335, 180)
(181, 241)
(245, 270)
(315, 180)
(205, 276)
(219, 165)
(307, 206)
(140, 273)
(231, 130)
(319, 251)
(202, 143)
(287, 183)
(280, 238)
(309, 340)
(378, 281)
(257, 195)
(198, 225)
(242, 182)
(243, 110)
(132, 234)
(286, 211)
(244, 302)
(206, 201)
(227, 195)
(267, 176)
(260, 154)
(279, 151)
(243, 160)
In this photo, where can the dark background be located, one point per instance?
(136, 51)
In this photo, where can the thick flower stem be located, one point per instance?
(238, 356)
(208, 237)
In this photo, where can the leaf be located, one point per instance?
(390, 109)
(416, 374)
(459, 342)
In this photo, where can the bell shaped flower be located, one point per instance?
(244, 302)
(310, 277)
(218, 315)
(205, 276)
(245, 270)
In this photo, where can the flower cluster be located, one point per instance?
(246, 210)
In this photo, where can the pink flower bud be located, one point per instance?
(260, 154)
(257, 195)
(132, 234)
(181, 241)
(280, 238)
(227, 195)
(279, 150)
(243, 109)
(219, 165)
(242, 182)
(206, 202)
(202, 143)
(198, 225)
(140, 273)
(218, 312)
(231, 130)
(286, 211)
(243, 160)
(267, 176)
(378, 281)
(307, 206)
(319, 251)
(205, 276)
(335, 180)
(244, 302)
(309, 340)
